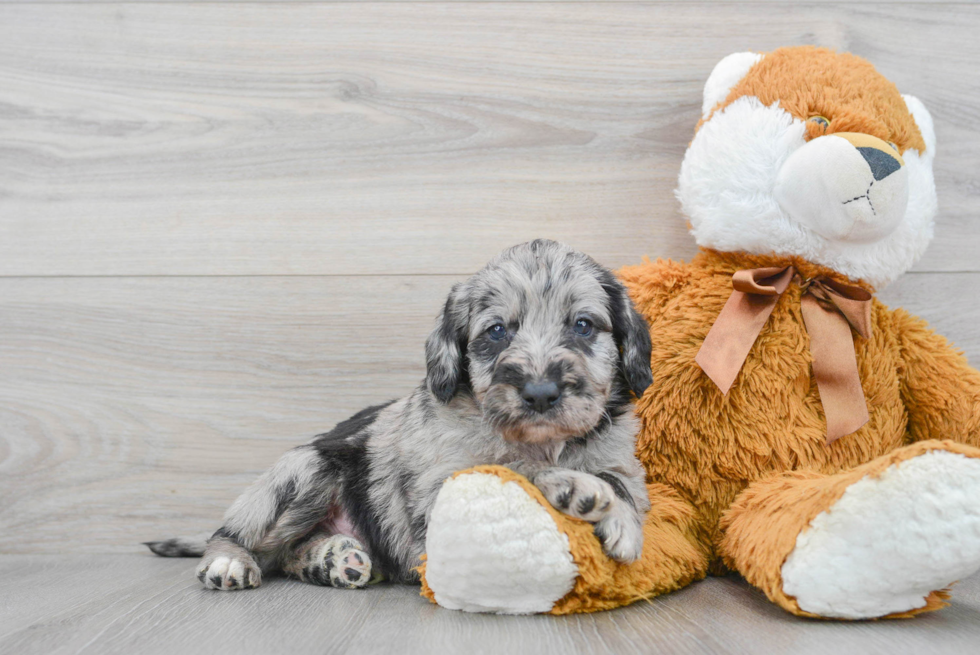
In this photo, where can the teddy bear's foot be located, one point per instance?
(491, 547)
(494, 544)
(891, 540)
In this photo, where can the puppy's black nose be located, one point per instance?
(540, 396)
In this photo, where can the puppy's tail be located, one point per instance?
(180, 546)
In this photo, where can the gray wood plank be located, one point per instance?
(136, 408)
(120, 397)
(125, 604)
(399, 138)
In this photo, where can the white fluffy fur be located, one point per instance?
(492, 548)
(726, 74)
(726, 188)
(890, 540)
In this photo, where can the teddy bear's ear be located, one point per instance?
(726, 74)
(923, 119)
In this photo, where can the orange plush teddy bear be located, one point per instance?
(797, 430)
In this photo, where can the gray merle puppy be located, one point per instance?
(530, 365)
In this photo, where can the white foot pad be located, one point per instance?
(891, 540)
(490, 547)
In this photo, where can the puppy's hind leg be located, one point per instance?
(282, 506)
(334, 560)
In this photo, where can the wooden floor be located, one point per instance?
(104, 604)
(226, 226)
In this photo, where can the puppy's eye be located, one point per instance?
(819, 120)
(583, 327)
(497, 331)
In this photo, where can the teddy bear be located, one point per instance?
(797, 431)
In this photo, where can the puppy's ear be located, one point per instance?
(445, 349)
(631, 333)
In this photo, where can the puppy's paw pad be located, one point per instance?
(343, 563)
(229, 573)
(577, 494)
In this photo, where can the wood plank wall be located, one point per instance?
(226, 226)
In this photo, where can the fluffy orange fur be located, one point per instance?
(843, 88)
(711, 448)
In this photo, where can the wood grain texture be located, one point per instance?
(222, 139)
(137, 408)
(359, 157)
(134, 407)
(129, 604)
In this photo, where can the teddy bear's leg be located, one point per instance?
(494, 544)
(883, 540)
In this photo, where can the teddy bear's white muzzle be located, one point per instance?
(845, 187)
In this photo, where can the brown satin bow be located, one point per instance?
(830, 309)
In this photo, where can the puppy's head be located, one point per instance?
(544, 339)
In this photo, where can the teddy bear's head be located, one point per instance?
(806, 152)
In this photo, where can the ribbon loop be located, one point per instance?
(830, 310)
(853, 303)
(763, 281)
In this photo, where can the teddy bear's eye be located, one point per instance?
(819, 120)
(894, 147)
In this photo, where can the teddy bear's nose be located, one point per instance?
(882, 164)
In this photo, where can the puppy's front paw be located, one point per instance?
(575, 493)
(621, 537)
(229, 573)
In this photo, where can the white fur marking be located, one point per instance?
(490, 547)
(890, 540)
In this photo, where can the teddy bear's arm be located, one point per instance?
(652, 284)
(941, 391)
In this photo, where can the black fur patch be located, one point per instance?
(565, 497)
(485, 349)
(446, 381)
(285, 495)
(617, 405)
(343, 455)
(225, 533)
(578, 343)
(509, 374)
(174, 548)
(631, 333)
(586, 505)
(617, 486)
